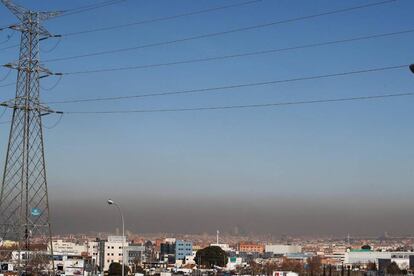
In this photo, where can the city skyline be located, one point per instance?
(283, 167)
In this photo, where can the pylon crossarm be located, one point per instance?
(17, 10)
(39, 69)
(44, 110)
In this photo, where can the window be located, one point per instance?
(112, 247)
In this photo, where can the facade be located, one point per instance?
(135, 254)
(61, 247)
(92, 248)
(167, 249)
(280, 249)
(364, 257)
(285, 273)
(250, 247)
(69, 265)
(113, 251)
(234, 262)
(183, 249)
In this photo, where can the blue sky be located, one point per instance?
(307, 151)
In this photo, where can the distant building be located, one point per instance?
(183, 249)
(135, 254)
(61, 247)
(223, 246)
(112, 251)
(167, 251)
(69, 265)
(250, 247)
(362, 257)
(234, 262)
(285, 273)
(280, 249)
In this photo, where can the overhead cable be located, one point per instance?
(208, 35)
(209, 108)
(245, 54)
(158, 19)
(233, 86)
(89, 7)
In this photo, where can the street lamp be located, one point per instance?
(111, 202)
(412, 68)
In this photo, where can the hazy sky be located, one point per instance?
(322, 168)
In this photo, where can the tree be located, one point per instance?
(139, 269)
(211, 256)
(137, 264)
(372, 266)
(115, 269)
(254, 268)
(269, 267)
(366, 247)
(393, 269)
(314, 265)
(292, 265)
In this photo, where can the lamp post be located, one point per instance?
(111, 202)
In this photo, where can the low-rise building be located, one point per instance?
(281, 249)
(362, 257)
(250, 247)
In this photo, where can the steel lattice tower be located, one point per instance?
(24, 206)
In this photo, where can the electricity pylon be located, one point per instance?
(24, 206)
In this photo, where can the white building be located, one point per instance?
(92, 250)
(70, 265)
(61, 247)
(285, 273)
(190, 259)
(280, 249)
(234, 262)
(113, 251)
(363, 257)
(135, 254)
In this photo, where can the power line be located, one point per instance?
(234, 86)
(10, 47)
(159, 19)
(141, 22)
(206, 108)
(90, 7)
(8, 84)
(246, 54)
(222, 32)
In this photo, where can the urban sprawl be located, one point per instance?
(165, 255)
